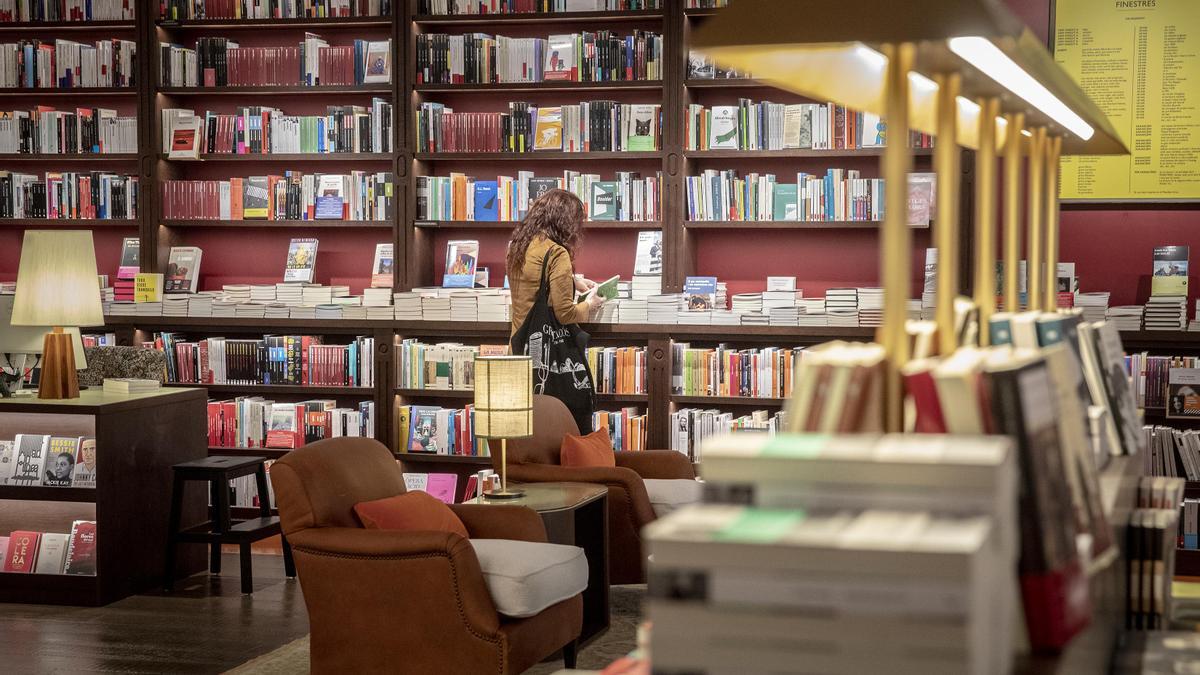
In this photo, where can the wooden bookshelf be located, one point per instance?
(289, 89)
(68, 222)
(450, 22)
(67, 26)
(284, 224)
(288, 157)
(532, 156)
(780, 224)
(342, 22)
(72, 157)
(510, 224)
(551, 85)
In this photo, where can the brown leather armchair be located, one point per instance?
(536, 460)
(411, 602)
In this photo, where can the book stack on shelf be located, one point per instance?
(828, 518)
(28, 552)
(618, 370)
(626, 428)
(49, 461)
(255, 422)
(296, 196)
(841, 306)
(1094, 305)
(1125, 317)
(84, 131)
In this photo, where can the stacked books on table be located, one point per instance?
(1094, 305)
(1166, 312)
(870, 306)
(1194, 324)
(129, 385)
(840, 553)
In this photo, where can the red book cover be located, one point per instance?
(81, 551)
(920, 386)
(229, 424)
(214, 423)
(1057, 605)
(22, 551)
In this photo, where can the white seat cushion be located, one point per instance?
(668, 494)
(525, 577)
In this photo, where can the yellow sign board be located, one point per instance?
(1139, 60)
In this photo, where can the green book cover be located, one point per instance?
(785, 207)
(604, 200)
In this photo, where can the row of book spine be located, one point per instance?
(691, 427)
(91, 195)
(1149, 376)
(630, 197)
(777, 126)
(259, 423)
(67, 10)
(298, 360)
(65, 64)
(765, 372)
(177, 10)
(220, 62)
(442, 366)
(293, 196)
(439, 431)
(469, 7)
(618, 370)
(839, 195)
(259, 130)
(478, 58)
(626, 427)
(590, 126)
(84, 131)
(34, 552)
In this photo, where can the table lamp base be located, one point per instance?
(58, 379)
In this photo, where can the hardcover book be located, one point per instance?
(81, 550)
(60, 461)
(52, 553)
(560, 58)
(723, 132)
(643, 128)
(548, 131)
(786, 206)
(462, 257)
(255, 197)
(649, 253)
(301, 261)
(85, 463)
(604, 200)
(183, 270)
(186, 136)
(423, 429)
(700, 293)
(382, 268)
(22, 552)
(1170, 271)
(540, 186)
(147, 287)
(30, 456)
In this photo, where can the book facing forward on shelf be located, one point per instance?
(648, 260)
(147, 287)
(130, 258)
(1170, 273)
(301, 261)
(443, 486)
(60, 461)
(382, 269)
(183, 270)
(462, 257)
(186, 138)
(22, 552)
(29, 456)
(700, 293)
(85, 464)
(81, 549)
(52, 553)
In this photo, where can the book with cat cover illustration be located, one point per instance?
(643, 122)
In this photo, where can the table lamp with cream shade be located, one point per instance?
(503, 407)
(57, 286)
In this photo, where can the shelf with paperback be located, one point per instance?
(288, 157)
(65, 26)
(511, 224)
(324, 23)
(283, 224)
(518, 18)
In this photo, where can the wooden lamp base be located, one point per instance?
(58, 379)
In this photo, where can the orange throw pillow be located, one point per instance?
(411, 511)
(595, 449)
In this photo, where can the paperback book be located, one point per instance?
(382, 273)
(1183, 392)
(331, 200)
(130, 258)
(183, 269)
(147, 287)
(301, 261)
(462, 258)
(700, 293)
(60, 461)
(1170, 271)
(649, 253)
(603, 204)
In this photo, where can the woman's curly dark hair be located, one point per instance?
(558, 215)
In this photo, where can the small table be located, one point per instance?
(575, 514)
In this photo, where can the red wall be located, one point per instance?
(1112, 248)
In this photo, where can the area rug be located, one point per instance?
(619, 640)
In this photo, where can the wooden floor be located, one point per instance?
(206, 626)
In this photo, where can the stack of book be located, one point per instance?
(663, 308)
(1125, 317)
(407, 306)
(1194, 324)
(787, 315)
(793, 531)
(747, 302)
(1166, 312)
(870, 306)
(1094, 305)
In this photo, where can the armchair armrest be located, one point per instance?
(657, 464)
(451, 589)
(498, 521)
(624, 485)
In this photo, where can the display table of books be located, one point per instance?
(85, 488)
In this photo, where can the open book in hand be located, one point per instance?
(606, 289)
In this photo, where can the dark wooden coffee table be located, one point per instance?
(575, 514)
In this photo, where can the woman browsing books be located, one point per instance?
(545, 316)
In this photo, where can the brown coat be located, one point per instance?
(560, 272)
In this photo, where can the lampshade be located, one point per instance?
(57, 284)
(503, 396)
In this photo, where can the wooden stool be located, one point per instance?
(222, 528)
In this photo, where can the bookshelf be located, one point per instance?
(742, 252)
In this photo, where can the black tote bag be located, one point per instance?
(559, 362)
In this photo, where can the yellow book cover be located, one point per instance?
(1170, 271)
(147, 287)
(402, 428)
(547, 134)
